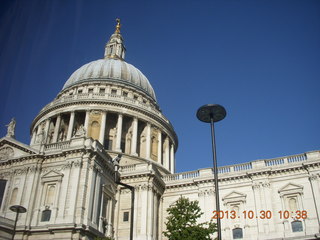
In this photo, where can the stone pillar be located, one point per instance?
(86, 122)
(155, 215)
(159, 147)
(33, 139)
(110, 208)
(70, 127)
(150, 222)
(134, 136)
(172, 158)
(167, 154)
(95, 213)
(315, 194)
(56, 129)
(102, 127)
(119, 133)
(46, 130)
(148, 141)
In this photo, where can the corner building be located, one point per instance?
(65, 177)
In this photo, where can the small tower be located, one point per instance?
(115, 47)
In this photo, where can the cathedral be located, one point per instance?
(104, 137)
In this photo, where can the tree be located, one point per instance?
(182, 222)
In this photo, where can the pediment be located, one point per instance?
(11, 148)
(234, 196)
(291, 188)
(110, 189)
(51, 176)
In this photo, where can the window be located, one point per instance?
(80, 91)
(113, 91)
(135, 97)
(237, 233)
(90, 90)
(296, 226)
(102, 90)
(46, 214)
(125, 94)
(2, 188)
(125, 216)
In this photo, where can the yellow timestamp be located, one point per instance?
(263, 214)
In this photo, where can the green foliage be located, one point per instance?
(182, 222)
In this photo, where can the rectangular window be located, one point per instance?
(125, 94)
(102, 90)
(80, 91)
(125, 216)
(90, 90)
(135, 97)
(113, 91)
(45, 216)
(2, 189)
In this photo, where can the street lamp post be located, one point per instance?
(17, 209)
(211, 113)
(116, 162)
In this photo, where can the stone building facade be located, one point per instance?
(65, 176)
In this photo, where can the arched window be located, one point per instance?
(237, 233)
(296, 226)
(46, 214)
(14, 196)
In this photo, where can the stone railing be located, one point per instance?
(57, 146)
(104, 96)
(244, 167)
(179, 176)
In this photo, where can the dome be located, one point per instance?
(111, 70)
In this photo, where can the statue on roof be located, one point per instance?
(11, 128)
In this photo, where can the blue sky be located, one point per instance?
(259, 59)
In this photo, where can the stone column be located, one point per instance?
(102, 127)
(119, 133)
(56, 129)
(34, 133)
(172, 158)
(70, 127)
(46, 130)
(150, 203)
(167, 154)
(148, 141)
(159, 147)
(86, 122)
(313, 179)
(109, 217)
(134, 136)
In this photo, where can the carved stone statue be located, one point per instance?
(41, 136)
(81, 131)
(11, 128)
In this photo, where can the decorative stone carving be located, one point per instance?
(6, 153)
(41, 136)
(81, 131)
(313, 177)
(11, 128)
